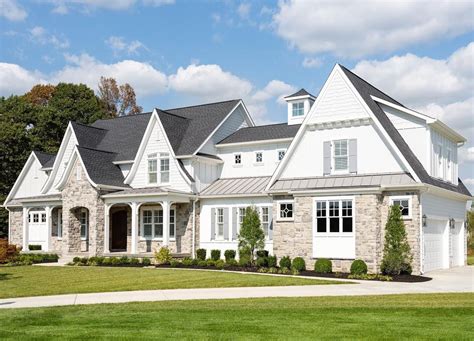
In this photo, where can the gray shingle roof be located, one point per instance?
(300, 92)
(237, 186)
(43, 157)
(50, 162)
(261, 133)
(367, 90)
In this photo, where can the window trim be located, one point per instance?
(59, 227)
(235, 164)
(258, 163)
(152, 209)
(217, 223)
(279, 202)
(293, 109)
(270, 218)
(439, 163)
(333, 157)
(410, 206)
(84, 210)
(163, 157)
(449, 164)
(278, 154)
(152, 157)
(340, 199)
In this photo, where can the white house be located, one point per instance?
(322, 182)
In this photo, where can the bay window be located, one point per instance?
(334, 216)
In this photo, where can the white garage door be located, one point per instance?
(37, 229)
(456, 245)
(435, 245)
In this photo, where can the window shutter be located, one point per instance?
(213, 223)
(353, 156)
(235, 219)
(226, 224)
(326, 157)
(270, 223)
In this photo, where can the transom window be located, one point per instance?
(285, 210)
(340, 155)
(84, 222)
(164, 168)
(259, 157)
(238, 159)
(298, 109)
(153, 223)
(220, 223)
(152, 169)
(281, 155)
(405, 205)
(334, 216)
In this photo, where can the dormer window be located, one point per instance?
(298, 109)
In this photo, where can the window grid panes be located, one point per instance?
(83, 222)
(404, 205)
(220, 222)
(152, 169)
(286, 210)
(35, 218)
(259, 157)
(164, 170)
(43, 217)
(172, 223)
(281, 155)
(265, 220)
(340, 155)
(153, 223)
(298, 109)
(334, 216)
(60, 223)
(238, 159)
(158, 223)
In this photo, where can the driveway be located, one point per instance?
(445, 281)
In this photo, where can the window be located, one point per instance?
(259, 157)
(153, 223)
(84, 223)
(43, 217)
(164, 168)
(265, 218)
(60, 223)
(158, 223)
(297, 109)
(36, 218)
(237, 159)
(285, 210)
(334, 216)
(172, 224)
(405, 205)
(241, 216)
(341, 155)
(220, 223)
(147, 223)
(152, 168)
(281, 154)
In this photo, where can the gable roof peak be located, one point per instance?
(300, 93)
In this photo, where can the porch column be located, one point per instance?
(48, 227)
(106, 228)
(166, 222)
(134, 206)
(25, 228)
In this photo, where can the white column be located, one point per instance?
(25, 229)
(106, 228)
(49, 227)
(134, 227)
(166, 222)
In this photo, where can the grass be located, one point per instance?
(428, 316)
(470, 260)
(20, 281)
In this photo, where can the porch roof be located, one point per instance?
(38, 198)
(148, 191)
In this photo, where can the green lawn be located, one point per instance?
(470, 260)
(40, 280)
(440, 316)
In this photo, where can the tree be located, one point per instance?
(470, 231)
(118, 100)
(40, 94)
(397, 256)
(251, 234)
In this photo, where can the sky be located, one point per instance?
(183, 52)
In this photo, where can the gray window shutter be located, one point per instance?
(327, 157)
(270, 224)
(226, 224)
(235, 219)
(353, 155)
(213, 223)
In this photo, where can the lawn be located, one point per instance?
(20, 281)
(470, 260)
(438, 316)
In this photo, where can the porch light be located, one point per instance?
(424, 218)
(452, 223)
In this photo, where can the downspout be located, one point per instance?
(193, 243)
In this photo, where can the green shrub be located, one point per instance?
(175, 263)
(245, 252)
(201, 254)
(106, 262)
(232, 262)
(272, 270)
(76, 260)
(92, 261)
(229, 254)
(195, 261)
(114, 261)
(215, 254)
(210, 262)
(262, 262)
(8, 252)
(163, 256)
(146, 261)
(220, 264)
(202, 263)
(298, 264)
(272, 261)
(124, 260)
(284, 271)
(31, 258)
(187, 261)
(358, 267)
(251, 235)
(295, 272)
(100, 260)
(262, 253)
(84, 261)
(323, 266)
(134, 261)
(34, 247)
(285, 262)
(370, 277)
(245, 261)
(262, 270)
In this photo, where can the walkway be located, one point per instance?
(445, 281)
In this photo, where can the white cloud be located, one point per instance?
(355, 28)
(158, 3)
(469, 181)
(16, 80)
(312, 62)
(244, 10)
(119, 45)
(39, 35)
(11, 10)
(63, 6)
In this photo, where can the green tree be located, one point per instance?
(397, 256)
(251, 234)
(470, 231)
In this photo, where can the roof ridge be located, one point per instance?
(171, 114)
(95, 150)
(88, 126)
(124, 116)
(204, 104)
(269, 125)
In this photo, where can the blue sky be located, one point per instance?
(179, 52)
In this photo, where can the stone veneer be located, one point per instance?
(16, 225)
(295, 238)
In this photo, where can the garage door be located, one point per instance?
(456, 245)
(37, 229)
(435, 245)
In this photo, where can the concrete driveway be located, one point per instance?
(445, 281)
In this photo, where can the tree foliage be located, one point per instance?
(470, 231)
(397, 256)
(251, 234)
(118, 100)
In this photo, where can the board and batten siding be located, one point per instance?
(71, 143)
(441, 207)
(32, 182)
(205, 173)
(157, 144)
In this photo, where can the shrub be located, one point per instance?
(210, 262)
(34, 247)
(284, 271)
(187, 261)
(76, 260)
(262, 262)
(114, 261)
(215, 254)
(8, 252)
(175, 263)
(298, 264)
(201, 254)
(370, 277)
(406, 269)
(124, 260)
(358, 267)
(134, 261)
(262, 270)
(232, 262)
(244, 260)
(262, 253)
(92, 261)
(285, 262)
(28, 259)
(244, 252)
(251, 233)
(100, 260)
(272, 270)
(163, 256)
(323, 266)
(84, 261)
(195, 261)
(106, 262)
(295, 272)
(146, 261)
(229, 254)
(396, 253)
(272, 261)
(220, 264)
(202, 263)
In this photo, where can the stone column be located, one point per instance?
(25, 228)
(106, 228)
(134, 206)
(48, 210)
(166, 222)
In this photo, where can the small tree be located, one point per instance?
(251, 234)
(397, 257)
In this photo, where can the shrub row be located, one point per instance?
(324, 266)
(110, 261)
(36, 258)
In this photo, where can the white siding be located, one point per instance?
(373, 156)
(440, 207)
(62, 164)
(157, 144)
(32, 182)
(205, 173)
(446, 143)
(248, 166)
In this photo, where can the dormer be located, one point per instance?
(299, 105)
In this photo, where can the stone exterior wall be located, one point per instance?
(16, 225)
(56, 241)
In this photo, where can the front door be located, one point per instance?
(119, 231)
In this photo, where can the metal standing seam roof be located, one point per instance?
(237, 186)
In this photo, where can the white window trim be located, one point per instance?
(270, 218)
(164, 156)
(216, 222)
(278, 155)
(237, 165)
(410, 206)
(60, 223)
(279, 202)
(449, 165)
(256, 163)
(87, 224)
(333, 157)
(340, 233)
(155, 208)
(292, 109)
(152, 157)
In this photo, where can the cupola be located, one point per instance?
(299, 104)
